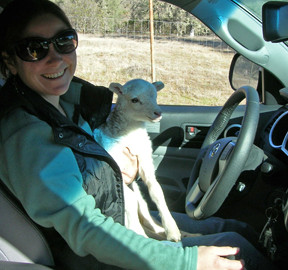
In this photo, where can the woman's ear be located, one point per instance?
(10, 63)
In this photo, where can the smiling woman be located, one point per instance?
(47, 71)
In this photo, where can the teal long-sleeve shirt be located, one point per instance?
(45, 177)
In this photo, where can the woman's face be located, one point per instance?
(51, 76)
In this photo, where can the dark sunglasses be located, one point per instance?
(36, 48)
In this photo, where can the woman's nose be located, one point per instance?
(53, 55)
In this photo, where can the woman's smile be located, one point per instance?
(54, 75)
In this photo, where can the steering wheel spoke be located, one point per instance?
(193, 197)
(195, 193)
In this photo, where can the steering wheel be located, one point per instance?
(221, 161)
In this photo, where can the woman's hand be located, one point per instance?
(130, 168)
(210, 258)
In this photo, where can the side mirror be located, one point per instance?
(275, 21)
(243, 72)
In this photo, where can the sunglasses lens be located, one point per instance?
(32, 50)
(66, 42)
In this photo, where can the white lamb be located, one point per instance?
(125, 127)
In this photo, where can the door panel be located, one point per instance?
(176, 143)
(173, 166)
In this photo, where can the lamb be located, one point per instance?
(125, 127)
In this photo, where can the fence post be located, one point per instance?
(152, 40)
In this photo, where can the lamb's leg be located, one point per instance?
(154, 229)
(132, 221)
(148, 176)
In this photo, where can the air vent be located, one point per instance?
(279, 130)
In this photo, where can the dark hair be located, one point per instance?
(14, 19)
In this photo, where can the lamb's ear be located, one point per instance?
(159, 85)
(116, 88)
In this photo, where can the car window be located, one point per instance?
(191, 61)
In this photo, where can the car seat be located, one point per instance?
(22, 245)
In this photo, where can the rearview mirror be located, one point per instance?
(275, 21)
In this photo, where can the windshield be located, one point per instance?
(255, 6)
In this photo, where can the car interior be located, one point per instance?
(228, 161)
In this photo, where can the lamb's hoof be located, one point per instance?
(174, 236)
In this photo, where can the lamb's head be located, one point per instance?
(138, 99)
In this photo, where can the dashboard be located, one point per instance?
(276, 132)
(278, 136)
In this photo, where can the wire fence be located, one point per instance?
(139, 29)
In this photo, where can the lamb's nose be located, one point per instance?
(158, 113)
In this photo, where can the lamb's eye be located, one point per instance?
(135, 100)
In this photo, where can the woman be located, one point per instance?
(65, 181)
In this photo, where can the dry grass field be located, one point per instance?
(193, 74)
